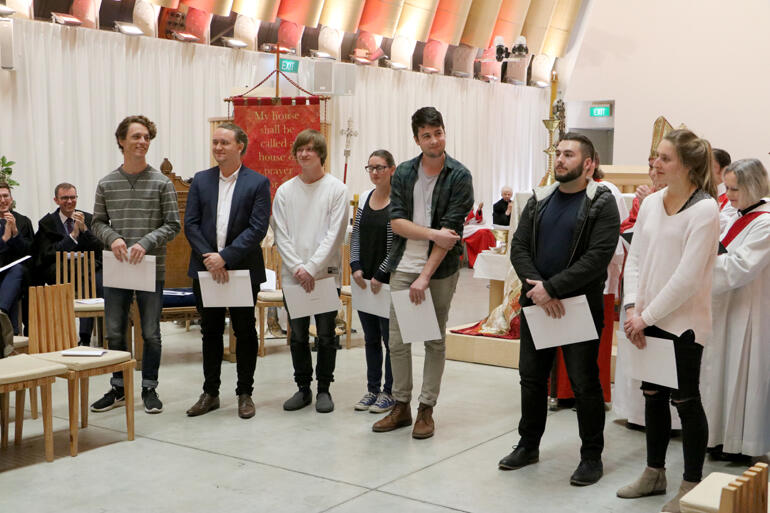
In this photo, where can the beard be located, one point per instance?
(570, 175)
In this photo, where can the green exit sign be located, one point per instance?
(289, 65)
(602, 111)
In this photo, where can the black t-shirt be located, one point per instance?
(373, 238)
(556, 230)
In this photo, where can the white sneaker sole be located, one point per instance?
(152, 411)
(116, 404)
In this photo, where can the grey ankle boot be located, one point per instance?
(651, 482)
(672, 506)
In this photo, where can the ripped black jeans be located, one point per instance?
(687, 401)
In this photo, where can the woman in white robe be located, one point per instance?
(735, 375)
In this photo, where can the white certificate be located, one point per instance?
(417, 323)
(656, 363)
(364, 300)
(323, 299)
(123, 275)
(236, 292)
(576, 325)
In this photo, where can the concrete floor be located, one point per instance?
(308, 462)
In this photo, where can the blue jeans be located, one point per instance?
(117, 303)
(376, 334)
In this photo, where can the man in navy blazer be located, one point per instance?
(67, 229)
(227, 215)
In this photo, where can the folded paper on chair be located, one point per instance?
(576, 325)
(82, 351)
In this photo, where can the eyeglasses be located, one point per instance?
(375, 169)
(68, 198)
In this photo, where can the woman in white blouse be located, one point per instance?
(668, 295)
(736, 363)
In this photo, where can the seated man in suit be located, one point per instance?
(227, 215)
(16, 235)
(67, 229)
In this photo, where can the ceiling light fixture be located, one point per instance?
(129, 29)
(185, 37)
(65, 19)
(234, 43)
(318, 54)
(395, 65)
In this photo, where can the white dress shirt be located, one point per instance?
(224, 202)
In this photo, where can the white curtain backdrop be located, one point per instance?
(71, 87)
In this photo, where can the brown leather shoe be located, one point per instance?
(399, 416)
(423, 425)
(245, 406)
(205, 404)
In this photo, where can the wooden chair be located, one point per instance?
(18, 373)
(52, 329)
(727, 493)
(270, 298)
(79, 270)
(346, 294)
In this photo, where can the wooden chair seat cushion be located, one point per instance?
(705, 497)
(24, 367)
(271, 296)
(20, 342)
(81, 363)
(346, 291)
(84, 307)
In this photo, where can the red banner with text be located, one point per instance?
(272, 130)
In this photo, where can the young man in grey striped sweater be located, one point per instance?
(135, 214)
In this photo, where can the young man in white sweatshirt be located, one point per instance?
(310, 215)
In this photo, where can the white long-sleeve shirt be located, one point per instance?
(309, 222)
(669, 267)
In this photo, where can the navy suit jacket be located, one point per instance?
(247, 226)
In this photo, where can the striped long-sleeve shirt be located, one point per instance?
(371, 241)
(139, 208)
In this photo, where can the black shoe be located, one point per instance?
(299, 400)
(587, 473)
(151, 401)
(520, 457)
(112, 399)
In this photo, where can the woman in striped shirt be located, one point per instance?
(369, 248)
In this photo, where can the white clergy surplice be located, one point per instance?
(735, 372)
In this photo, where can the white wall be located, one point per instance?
(704, 63)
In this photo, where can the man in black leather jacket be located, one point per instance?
(564, 242)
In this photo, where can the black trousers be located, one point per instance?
(213, 328)
(583, 371)
(686, 399)
(300, 349)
